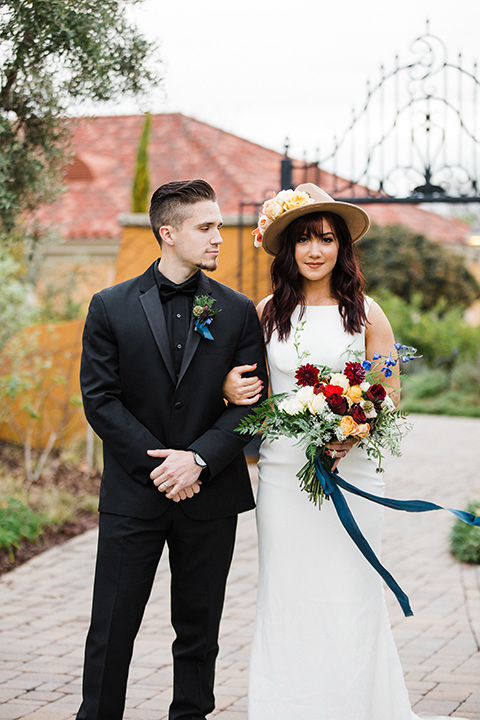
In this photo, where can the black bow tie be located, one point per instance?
(188, 288)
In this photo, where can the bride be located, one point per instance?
(322, 647)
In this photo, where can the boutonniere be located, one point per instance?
(203, 314)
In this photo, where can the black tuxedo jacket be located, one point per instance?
(134, 401)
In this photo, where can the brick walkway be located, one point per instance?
(44, 605)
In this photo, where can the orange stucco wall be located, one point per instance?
(46, 360)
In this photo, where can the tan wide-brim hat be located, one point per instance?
(355, 217)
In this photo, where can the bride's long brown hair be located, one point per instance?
(347, 279)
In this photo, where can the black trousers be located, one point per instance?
(129, 550)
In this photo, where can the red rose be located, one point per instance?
(307, 375)
(354, 372)
(337, 403)
(332, 390)
(376, 393)
(358, 415)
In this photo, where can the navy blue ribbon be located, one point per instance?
(331, 483)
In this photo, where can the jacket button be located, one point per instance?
(178, 405)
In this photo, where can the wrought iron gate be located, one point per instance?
(415, 139)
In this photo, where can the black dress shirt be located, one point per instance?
(177, 301)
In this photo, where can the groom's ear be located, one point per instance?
(166, 234)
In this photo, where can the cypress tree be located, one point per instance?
(141, 180)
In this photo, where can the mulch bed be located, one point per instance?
(61, 475)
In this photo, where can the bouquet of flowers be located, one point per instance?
(334, 406)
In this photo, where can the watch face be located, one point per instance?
(200, 461)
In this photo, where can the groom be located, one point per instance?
(174, 471)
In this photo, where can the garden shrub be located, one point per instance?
(17, 522)
(465, 539)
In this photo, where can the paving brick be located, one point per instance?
(45, 604)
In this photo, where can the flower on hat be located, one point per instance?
(281, 203)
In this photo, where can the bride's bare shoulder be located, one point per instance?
(261, 306)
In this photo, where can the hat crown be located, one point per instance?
(316, 193)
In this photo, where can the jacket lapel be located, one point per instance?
(193, 337)
(153, 309)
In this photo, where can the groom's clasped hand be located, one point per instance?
(177, 476)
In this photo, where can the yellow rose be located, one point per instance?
(272, 208)
(296, 199)
(348, 425)
(354, 393)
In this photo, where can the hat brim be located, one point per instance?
(355, 218)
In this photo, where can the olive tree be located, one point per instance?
(54, 53)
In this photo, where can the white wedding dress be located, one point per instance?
(322, 647)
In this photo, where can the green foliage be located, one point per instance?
(54, 53)
(441, 335)
(410, 266)
(17, 522)
(15, 312)
(446, 381)
(465, 539)
(141, 180)
(55, 301)
(442, 391)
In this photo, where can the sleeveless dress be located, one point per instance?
(322, 647)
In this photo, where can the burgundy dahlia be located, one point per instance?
(307, 375)
(354, 372)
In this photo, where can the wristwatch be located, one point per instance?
(199, 460)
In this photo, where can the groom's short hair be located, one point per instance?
(169, 202)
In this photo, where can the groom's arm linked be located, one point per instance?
(218, 445)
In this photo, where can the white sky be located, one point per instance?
(267, 70)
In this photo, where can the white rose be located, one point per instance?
(339, 379)
(283, 195)
(388, 405)
(305, 394)
(291, 406)
(316, 403)
(364, 386)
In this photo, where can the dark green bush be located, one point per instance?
(408, 264)
(17, 522)
(441, 335)
(465, 539)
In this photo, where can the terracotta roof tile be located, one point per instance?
(98, 184)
